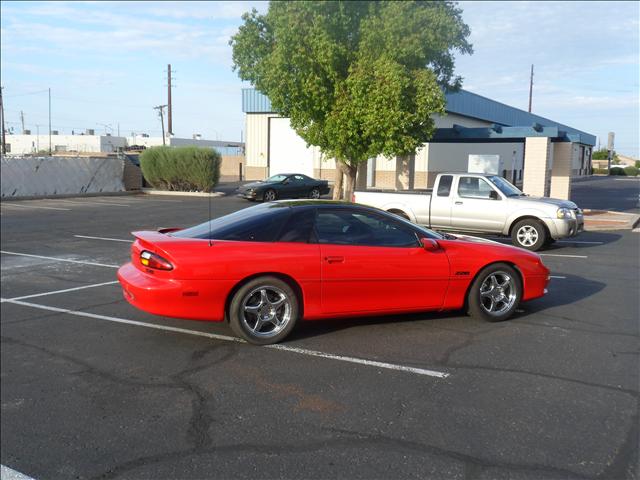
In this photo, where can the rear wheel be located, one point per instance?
(263, 311)
(495, 293)
(530, 234)
(269, 195)
(315, 193)
(400, 213)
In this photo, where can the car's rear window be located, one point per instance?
(261, 223)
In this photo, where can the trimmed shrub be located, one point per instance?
(617, 171)
(638, 164)
(631, 171)
(181, 168)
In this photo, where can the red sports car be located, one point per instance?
(266, 267)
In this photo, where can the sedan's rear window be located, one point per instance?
(261, 223)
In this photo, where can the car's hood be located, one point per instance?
(550, 201)
(258, 184)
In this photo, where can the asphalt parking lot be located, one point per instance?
(92, 388)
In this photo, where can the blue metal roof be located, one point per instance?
(460, 103)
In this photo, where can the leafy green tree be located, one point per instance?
(603, 154)
(357, 79)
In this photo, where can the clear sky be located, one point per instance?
(105, 63)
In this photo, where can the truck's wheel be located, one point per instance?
(400, 213)
(530, 234)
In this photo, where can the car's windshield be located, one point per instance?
(276, 178)
(505, 187)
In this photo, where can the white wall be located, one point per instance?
(288, 153)
(46, 176)
(454, 157)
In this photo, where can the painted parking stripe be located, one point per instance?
(88, 202)
(4, 204)
(557, 276)
(54, 292)
(301, 351)
(580, 241)
(104, 238)
(562, 255)
(7, 473)
(59, 259)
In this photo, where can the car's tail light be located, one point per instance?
(151, 260)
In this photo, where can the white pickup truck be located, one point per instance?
(480, 203)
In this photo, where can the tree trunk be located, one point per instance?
(337, 184)
(350, 172)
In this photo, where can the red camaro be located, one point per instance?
(266, 267)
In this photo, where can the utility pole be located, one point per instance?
(160, 109)
(531, 88)
(169, 110)
(22, 120)
(49, 121)
(4, 140)
(610, 141)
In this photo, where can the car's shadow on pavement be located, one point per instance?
(572, 289)
(591, 240)
(564, 291)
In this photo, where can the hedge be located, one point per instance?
(181, 168)
(631, 171)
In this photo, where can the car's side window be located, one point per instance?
(298, 227)
(298, 178)
(362, 228)
(474, 187)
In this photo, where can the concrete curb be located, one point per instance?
(596, 220)
(150, 191)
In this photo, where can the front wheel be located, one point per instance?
(269, 195)
(495, 293)
(530, 234)
(263, 311)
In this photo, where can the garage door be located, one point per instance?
(288, 153)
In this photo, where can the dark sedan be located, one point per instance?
(284, 185)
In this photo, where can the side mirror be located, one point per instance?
(493, 195)
(429, 244)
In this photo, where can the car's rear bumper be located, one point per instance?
(188, 299)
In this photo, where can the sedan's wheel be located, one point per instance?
(263, 311)
(269, 195)
(529, 234)
(495, 293)
(315, 193)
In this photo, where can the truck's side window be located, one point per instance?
(444, 187)
(474, 187)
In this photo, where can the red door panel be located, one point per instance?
(378, 279)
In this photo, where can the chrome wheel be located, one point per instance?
(315, 193)
(269, 195)
(265, 311)
(527, 236)
(498, 293)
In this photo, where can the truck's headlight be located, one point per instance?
(565, 213)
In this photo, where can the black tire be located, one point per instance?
(314, 193)
(269, 195)
(248, 305)
(530, 234)
(483, 293)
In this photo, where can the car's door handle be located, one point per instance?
(334, 259)
(458, 203)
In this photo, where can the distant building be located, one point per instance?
(528, 150)
(30, 144)
(90, 143)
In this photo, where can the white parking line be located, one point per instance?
(59, 291)
(563, 255)
(104, 238)
(7, 473)
(580, 241)
(60, 259)
(89, 202)
(301, 351)
(4, 204)
(556, 276)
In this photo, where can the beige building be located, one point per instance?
(529, 150)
